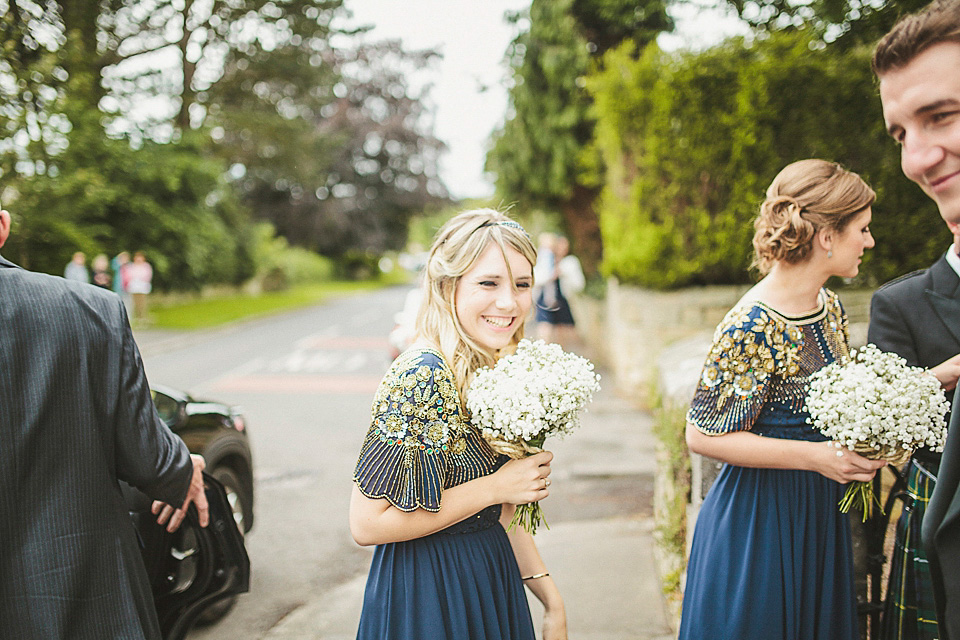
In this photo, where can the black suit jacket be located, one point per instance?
(76, 416)
(918, 317)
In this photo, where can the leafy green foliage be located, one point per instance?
(691, 141)
(162, 124)
(844, 22)
(543, 156)
(102, 196)
(604, 24)
(279, 266)
(332, 154)
(535, 156)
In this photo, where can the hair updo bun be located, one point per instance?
(804, 198)
(782, 233)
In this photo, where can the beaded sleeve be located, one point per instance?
(416, 427)
(751, 347)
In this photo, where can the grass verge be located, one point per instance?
(218, 310)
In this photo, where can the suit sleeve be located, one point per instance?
(889, 330)
(148, 455)
(941, 522)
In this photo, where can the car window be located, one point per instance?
(167, 407)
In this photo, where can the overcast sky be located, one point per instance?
(468, 91)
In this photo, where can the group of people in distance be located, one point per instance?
(771, 556)
(131, 280)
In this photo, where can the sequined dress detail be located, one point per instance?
(463, 581)
(771, 556)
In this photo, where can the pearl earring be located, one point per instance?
(829, 254)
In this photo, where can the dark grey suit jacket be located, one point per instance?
(76, 416)
(918, 317)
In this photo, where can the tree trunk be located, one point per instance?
(82, 61)
(583, 225)
(187, 94)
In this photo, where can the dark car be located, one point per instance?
(196, 573)
(218, 432)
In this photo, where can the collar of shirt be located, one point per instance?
(953, 259)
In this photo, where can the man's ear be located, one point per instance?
(4, 226)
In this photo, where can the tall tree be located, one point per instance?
(543, 155)
(178, 48)
(73, 187)
(328, 142)
(336, 155)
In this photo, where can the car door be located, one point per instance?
(195, 566)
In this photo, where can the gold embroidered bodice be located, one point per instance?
(756, 374)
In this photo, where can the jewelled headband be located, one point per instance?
(504, 223)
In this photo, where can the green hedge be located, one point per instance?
(691, 141)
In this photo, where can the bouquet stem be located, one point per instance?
(530, 515)
(860, 495)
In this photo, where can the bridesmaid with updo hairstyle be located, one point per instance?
(771, 557)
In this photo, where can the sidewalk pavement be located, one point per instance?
(605, 567)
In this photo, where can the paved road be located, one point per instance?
(305, 381)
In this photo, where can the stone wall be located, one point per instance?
(630, 328)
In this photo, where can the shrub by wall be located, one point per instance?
(692, 139)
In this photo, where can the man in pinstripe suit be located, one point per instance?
(76, 417)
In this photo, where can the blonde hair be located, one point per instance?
(456, 248)
(805, 197)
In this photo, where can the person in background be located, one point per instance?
(76, 417)
(544, 296)
(138, 282)
(102, 275)
(555, 321)
(916, 64)
(772, 555)
(119, 264)
(77, 268)
(429, 491)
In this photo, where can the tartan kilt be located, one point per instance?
(910, 612)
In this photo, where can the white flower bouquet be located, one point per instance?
(878, 406)
(529, 395)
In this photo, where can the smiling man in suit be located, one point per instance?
(76, 416)
(917, 65)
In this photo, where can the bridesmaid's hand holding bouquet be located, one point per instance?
(529, 395)
(878, 406)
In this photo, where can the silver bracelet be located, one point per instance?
(537, 575)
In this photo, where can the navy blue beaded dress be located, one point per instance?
(771, 557)
(461, 583)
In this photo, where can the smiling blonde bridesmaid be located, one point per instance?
(429, 492)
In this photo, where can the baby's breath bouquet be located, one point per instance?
(877, 405)
(529, 395)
